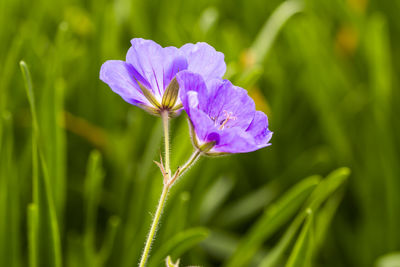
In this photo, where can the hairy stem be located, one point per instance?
(164, 116)
(163, 198)
(168, 183)
(193, 158)
(196, 154)
(154, 224)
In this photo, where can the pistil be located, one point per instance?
(228, 116)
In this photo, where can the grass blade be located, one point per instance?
(277, 252)
(33, 234)
(109, 240)
(93, 184)
(320, 194)
(273, 218)
(48, 245)
(389, 260)
(263, 43)
(215, 197)
(246, 206)
(325, 216)
(178, 245)
(9, 196)
(327, 186)
(265, 39)
(302, 251)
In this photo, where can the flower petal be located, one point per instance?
(228, 100)
(156, 64)
(119, 76)
(202, 125)
(205, 60)
(194, 83)
(235, 140)
(174, 63)
(259, 129)
(146, 57)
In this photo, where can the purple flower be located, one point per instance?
(222, 116)
(147, 77)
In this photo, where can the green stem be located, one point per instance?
(163, 198)
(193, 158)
(196, 154)
(168, 183)
(164, 116)
(153, 228)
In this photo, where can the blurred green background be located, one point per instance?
(79, 187)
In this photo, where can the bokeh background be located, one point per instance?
(79, 189)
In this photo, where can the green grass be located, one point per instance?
(77, 180)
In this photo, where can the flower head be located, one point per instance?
(222, 116)
(147, 77)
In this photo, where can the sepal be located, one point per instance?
(205, 148)
(170, 263)
(170, 95)
(149, 95)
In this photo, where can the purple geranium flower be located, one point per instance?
(147, 77)
(222, 116)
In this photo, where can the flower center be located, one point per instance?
(228, 116)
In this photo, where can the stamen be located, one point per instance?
(228, 116)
